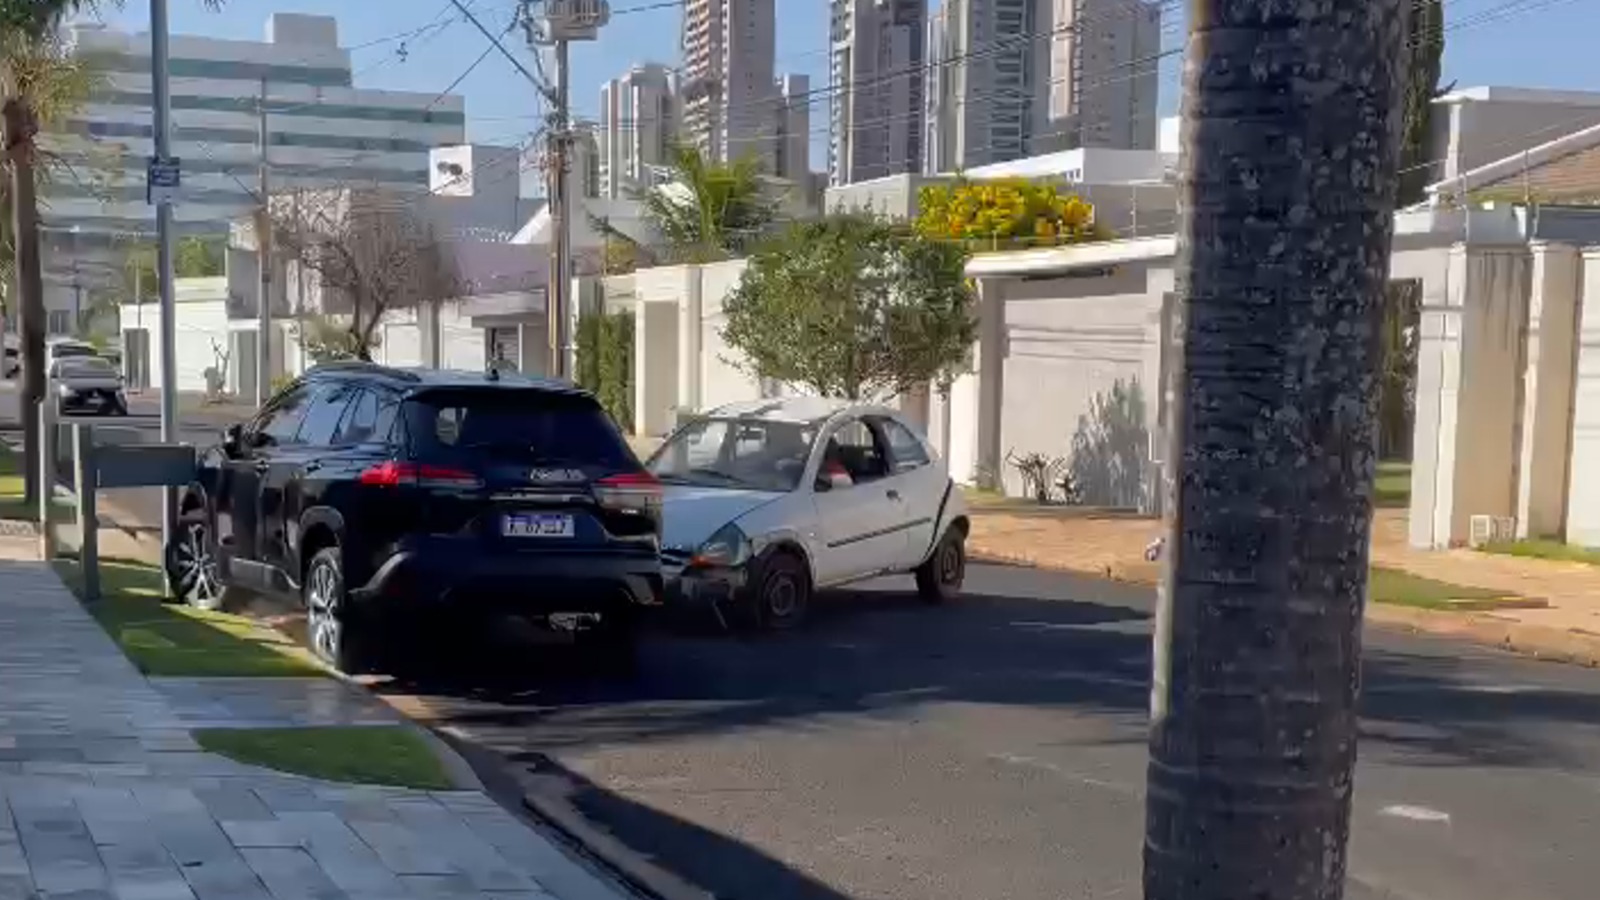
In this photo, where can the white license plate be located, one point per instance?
(538, 525)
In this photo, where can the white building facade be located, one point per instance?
(322, 130)
(878, 55)
(637, 125)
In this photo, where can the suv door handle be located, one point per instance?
(893, 494)
(312, 466)
(262, 465)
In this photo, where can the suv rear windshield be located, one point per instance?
(538, 426)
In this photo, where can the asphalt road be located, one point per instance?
(995, 749)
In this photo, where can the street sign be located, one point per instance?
(575, 20)
(162, 179)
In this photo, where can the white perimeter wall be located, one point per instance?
(1069, 342)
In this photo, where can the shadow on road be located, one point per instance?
(874, 651)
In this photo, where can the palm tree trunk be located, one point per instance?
(19, 130)
(1292, 131)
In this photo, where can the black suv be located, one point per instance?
(383, 496)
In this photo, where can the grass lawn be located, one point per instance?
(1405, 589)
(11, 506)
(1546, 549)
(1393, 485)
(172, 639)
(378, 754)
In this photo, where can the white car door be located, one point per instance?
(919, 482)
(860, 517)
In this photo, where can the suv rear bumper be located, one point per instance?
(466, 581)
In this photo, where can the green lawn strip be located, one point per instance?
(176, 640)
(1542, 548)
(1404, 589)
(1393, 485)
(375, 754)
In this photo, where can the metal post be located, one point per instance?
(560, 220)
(84, 484)
(45, 417)
(263, 260)
(163, 139)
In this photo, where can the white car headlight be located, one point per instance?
(63, 390)
(729, 547)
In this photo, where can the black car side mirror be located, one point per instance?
(232, 439)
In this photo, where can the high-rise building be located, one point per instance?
(1013, 78)
(1104, 75)
(322, 131)
(637, 126)
(981, 80)
(792, 129)
(726, 88)
(876, 69)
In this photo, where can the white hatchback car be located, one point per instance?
(766, 501)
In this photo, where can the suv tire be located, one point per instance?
(191, 561)
(329, 624)
(939, 578)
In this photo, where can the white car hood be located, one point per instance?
(691, 514)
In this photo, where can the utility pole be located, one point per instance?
(559, 295)
(20, 128)
(162, 180)
(1292, 117)
(557, 24)
(263, 258)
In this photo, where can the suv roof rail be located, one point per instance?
(362, 365)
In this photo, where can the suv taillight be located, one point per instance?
(635, 492)
(395, 474)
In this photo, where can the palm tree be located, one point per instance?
(1292, 126)
(709, 211)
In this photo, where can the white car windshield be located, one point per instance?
(739, 453)
(84, 367)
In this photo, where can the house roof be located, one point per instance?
(1565, 168)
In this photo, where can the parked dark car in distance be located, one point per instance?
(384, 497)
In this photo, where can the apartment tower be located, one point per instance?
(727, 90)
(1014, 78)
(876, 103)
(637, 125)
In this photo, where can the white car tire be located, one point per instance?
(939, 578)
(780, 596)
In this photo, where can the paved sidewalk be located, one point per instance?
(1113, 545)
(103, 794)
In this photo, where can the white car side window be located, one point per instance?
(904, 446)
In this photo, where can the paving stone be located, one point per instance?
(141, 869)
(17, 887)
(272, 833)
(291, 872)
(105, 796)
(235, 804)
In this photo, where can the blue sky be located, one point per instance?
(1526, 43)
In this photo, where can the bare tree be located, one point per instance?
(1292, 115)
(370, 252)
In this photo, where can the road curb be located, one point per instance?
(545, 794)
(1475, 627)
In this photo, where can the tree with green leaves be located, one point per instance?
(709, 211)
(851, 306)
